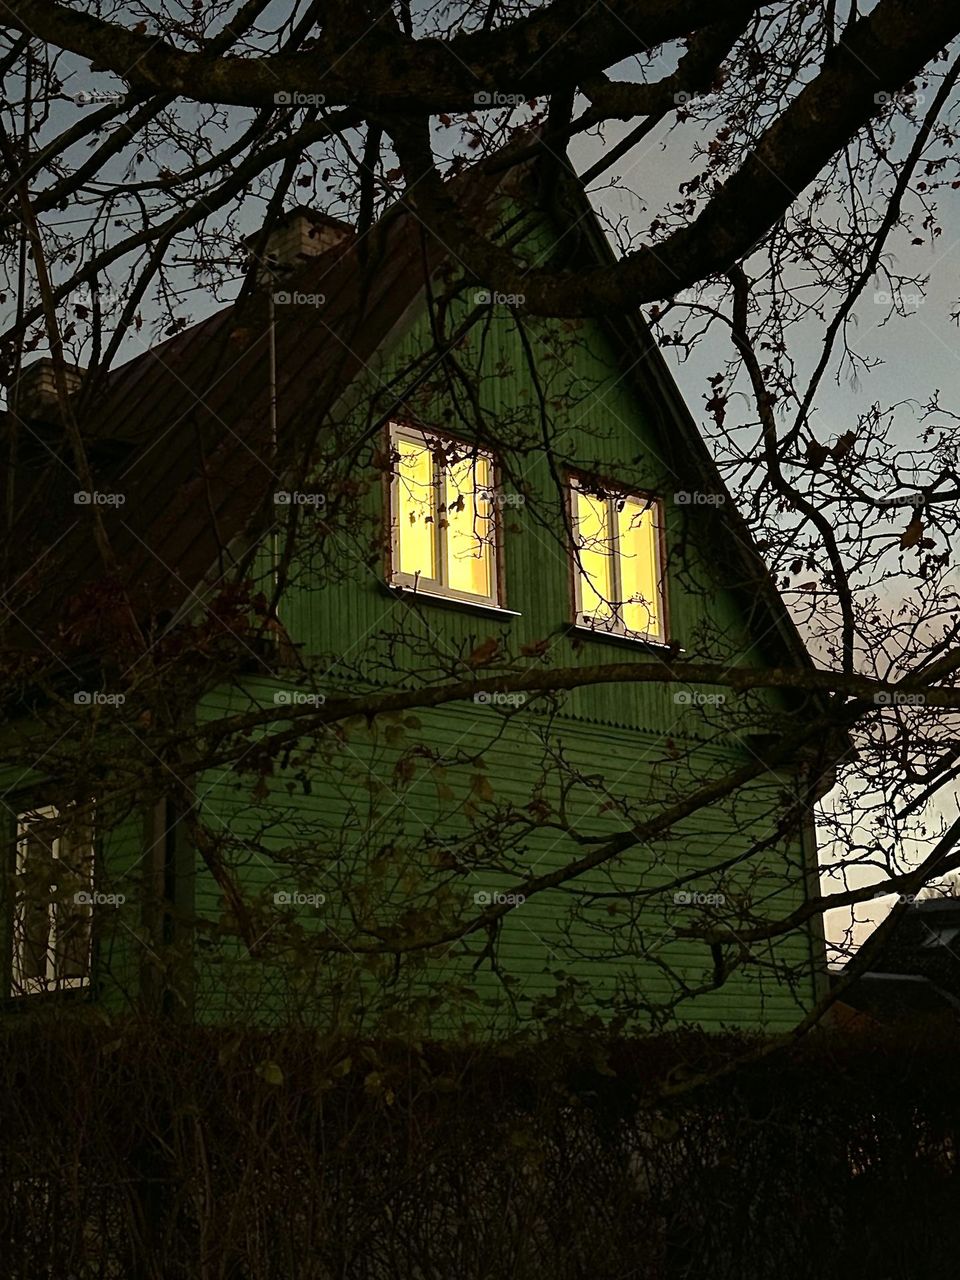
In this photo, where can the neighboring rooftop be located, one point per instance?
(917, 970)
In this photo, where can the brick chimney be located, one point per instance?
(34, 394)
(295, 236)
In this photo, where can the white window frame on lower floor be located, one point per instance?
(23, 984)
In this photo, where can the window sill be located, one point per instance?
(662, 648)
(450, 602)
(14, 1002)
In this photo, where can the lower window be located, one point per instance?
(53, 900)
(618, 562)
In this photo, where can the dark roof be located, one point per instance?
(185, 433)
(917, 969)
(184, 429)
(888, 996)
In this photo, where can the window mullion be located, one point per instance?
(53, 913)
(616, 577)
(440, 532)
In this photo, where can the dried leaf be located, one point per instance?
(911, 534)
(270, 1073)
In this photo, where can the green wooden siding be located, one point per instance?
(364, 803)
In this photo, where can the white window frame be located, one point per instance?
(615, 625)
(416, 581)
(21, 985)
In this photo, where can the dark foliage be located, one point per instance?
(147, 1151)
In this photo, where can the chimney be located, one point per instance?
(297, 235)
(34, 394)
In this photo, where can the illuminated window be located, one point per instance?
(442, 517)
(53, 900)
(618, 570)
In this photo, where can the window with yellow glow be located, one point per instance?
(443, 524)
(618, 569)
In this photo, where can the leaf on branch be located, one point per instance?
(481, 788)
(816, 453)
(485, 652)
(717, 406)
(405, 769)
(911, 534)
(270, 1073)
(843, 445)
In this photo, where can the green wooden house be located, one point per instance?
(373, 486)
